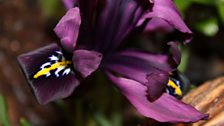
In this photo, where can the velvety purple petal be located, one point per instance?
(69, 3)
(156, 84)
(105, 23)
(68, 29)
(166, 10)
(155, 79)
(159, 61)
(158, 25)
(86, 62)
(164, 109)
(118, 18)
(48, 81)
(152, 70)
(141, 63)
(132, 12)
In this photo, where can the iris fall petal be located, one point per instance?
(152, 70)
(164, 109)
(48, 73)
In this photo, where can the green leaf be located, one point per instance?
(24, 122)
(3, 112)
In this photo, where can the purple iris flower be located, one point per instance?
(90, 34)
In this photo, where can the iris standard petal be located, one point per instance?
(117, 18)
(68, 29)
(69, 3)
(166, 10)
(49, 74)
(107, 22)
(86, 62)
(164, 109)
